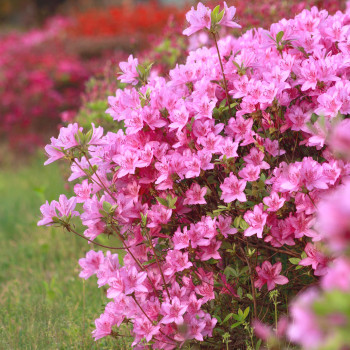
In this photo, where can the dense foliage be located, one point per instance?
(227, 187)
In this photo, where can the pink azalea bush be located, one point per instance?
(214, 184)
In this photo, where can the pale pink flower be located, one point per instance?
(129, 70)
(198, 19)
(227, 19)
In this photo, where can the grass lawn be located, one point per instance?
(43, 302)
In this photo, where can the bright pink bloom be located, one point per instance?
(274, 202)
(143, 328)
(232, 189)
(256, 220)
(173, 311)
(250, 172)
(195, 195)
(176, 262)
(133, 281)
(269, 274)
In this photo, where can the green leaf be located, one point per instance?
(279, 36)
(294, 261)
(258, 344)
(106, 206)
(236, 325)
(237, 317)
(243, 224)
(214, 15)
(237, 221)
(227, 317)
(162, 201)
(246, 312)
(220, 15)
(229, 271)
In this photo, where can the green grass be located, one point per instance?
(43, 302)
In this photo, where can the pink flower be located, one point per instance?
(256, 220)
(48, 210)
(338, 276)
(127, 162)
(227, 19)
(224, 225)
(129, 70)
(312, 174)
(269, 274)
(250, 172)
(316, 259)
(340, 139)
(333, 218)
(133, 281)
(173, 311)
(91, 263)
(198, 19)
(210, 251)
(103, 326)
(67, 137)
(195, 195)
(53, 151)
(143, 328)
(97, 134)
(66, 206)
(232, 189)
(176, 262)
(274, 202)
(181, 239)
(304, 327)
(83, 191)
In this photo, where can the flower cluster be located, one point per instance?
(213, 184)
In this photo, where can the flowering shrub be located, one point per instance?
(213, 185)
(38, 80)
